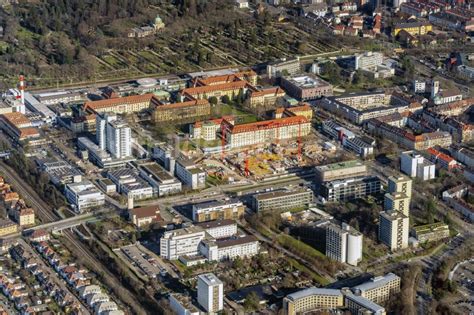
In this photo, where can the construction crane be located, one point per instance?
(223, 130)
(246, 164)
(299, 141)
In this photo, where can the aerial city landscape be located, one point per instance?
(236, 157)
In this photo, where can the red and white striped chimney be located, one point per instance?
(22, 89)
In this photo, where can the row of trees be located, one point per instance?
(39, 180)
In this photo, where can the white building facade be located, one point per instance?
(210, 291)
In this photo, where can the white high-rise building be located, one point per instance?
(344, 244)
(210, 291)
(393, 229)
(113, 135)
(119, 139)
(101, 122)
(415, 165)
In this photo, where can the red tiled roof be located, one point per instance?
(268, 124)
(217, 87)
(93, 105)
(145, 212)
(182, 104)
(270, 91)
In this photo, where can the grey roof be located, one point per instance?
(215, 203)
(314, 291)
(366, 303)
(376, 282)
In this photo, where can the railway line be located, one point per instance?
(47, 215)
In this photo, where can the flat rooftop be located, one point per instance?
(313, 291)
(155, 170)
(216, 223)
(210, 279)
(339, 165)
(376, 282)
(278, 194)
(307, 81)
(216, 203)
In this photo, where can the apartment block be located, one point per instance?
(210, 292)
(230, 248)
(397, 202)
(379, 289)
(430, 232)
(281, 199)
(7, 227)
(215, 210)
(414, 164)
(393, 229)
(356, 304)
(343, 243)
(312, 299)
(400, 184)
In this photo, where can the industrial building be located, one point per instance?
(306, 87)
(60, 172)
(130, 184)
(191, 175)
(162, 181)
(281, 199)
(83, 195)
(340, 170)
(350, 188)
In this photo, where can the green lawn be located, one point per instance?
(241, 116)
(316, 277)
(293, 244)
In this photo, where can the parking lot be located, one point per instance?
(142, 261)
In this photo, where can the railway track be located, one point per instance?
(46, 214)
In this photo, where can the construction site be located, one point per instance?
(272, 159)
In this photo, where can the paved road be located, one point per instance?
(54, 276)
(46, 214)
